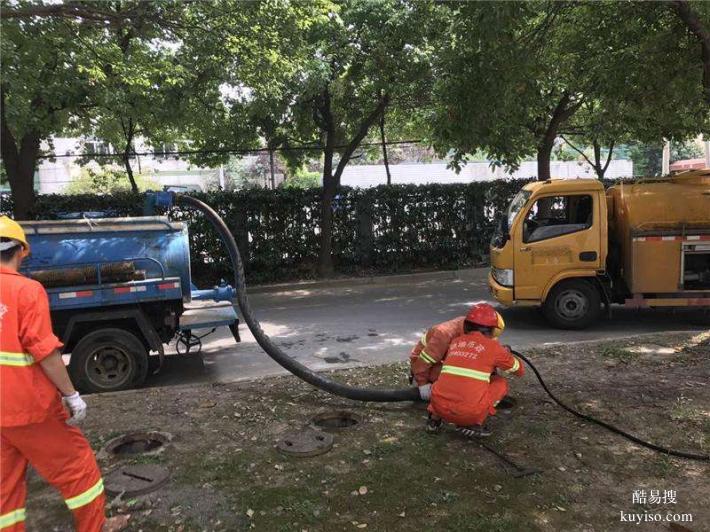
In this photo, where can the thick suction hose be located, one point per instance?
(274, 351)
(608, 426)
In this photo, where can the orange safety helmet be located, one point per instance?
(485, 315)
(11, 230)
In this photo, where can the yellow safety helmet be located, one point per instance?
(498, 329)
(9, 228)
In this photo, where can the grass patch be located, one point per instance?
(617, 353)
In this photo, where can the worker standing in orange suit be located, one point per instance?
(469, 388)
(34, 391)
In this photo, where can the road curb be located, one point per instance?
(368, 280)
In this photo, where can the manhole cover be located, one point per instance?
(150, 442)
(305, 442)
(340, 419)
(135, 479)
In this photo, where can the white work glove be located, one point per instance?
(76, 406)
(425, 392)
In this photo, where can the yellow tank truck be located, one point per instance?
(571, 247)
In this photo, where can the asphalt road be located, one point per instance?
(348, 324)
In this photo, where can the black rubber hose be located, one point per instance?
(612, 428)
(274, 351)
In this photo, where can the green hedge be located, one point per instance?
(387, 229)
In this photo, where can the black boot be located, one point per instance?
(433, 426)
(476, 431)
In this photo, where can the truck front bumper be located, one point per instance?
(503, 294)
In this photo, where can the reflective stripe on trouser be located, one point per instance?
(12, 518)
(62, 456)
(465, 372)
(15, 359)
(88, 496)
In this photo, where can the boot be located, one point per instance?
(433, 425)
(475, 431)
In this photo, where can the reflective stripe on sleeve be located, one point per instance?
(423, 340)
(426, 358)
(516, 367)
(15, 359)
(85, 498)
(465, 372)
(12, 518)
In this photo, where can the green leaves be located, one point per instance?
(628, 69)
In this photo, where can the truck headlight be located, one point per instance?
(503, 277)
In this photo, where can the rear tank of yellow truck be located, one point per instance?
(571, 247)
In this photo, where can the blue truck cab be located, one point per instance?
(119, 290)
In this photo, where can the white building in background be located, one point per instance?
(365, 176)
(54, 175)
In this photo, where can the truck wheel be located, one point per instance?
(573, 304)
(107, 360)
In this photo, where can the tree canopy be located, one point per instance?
(318, 79)
(514, 76)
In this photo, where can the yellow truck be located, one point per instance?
(570, 247)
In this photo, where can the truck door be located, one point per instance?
(558, 233)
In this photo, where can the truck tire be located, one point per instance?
(107, 360)
(573, 304)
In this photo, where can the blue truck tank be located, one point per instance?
(118, 290)
(155, 245)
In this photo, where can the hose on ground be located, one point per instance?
(608, 426)
(274, 351)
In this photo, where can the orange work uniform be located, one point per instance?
(426, 358)
(33, 426)
(466, 393)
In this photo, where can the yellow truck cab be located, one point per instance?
(570, 246)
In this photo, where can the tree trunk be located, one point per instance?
(544, 152)
(271, 166)
(330, 186)
(694, 23)
(602, 168)
(129, 170)
(129, 133)
(384, 148)
(19, 164)
(560, 114)
(20, 175)
(20, 168)
(331, 179)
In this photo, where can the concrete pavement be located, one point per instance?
(345, 323)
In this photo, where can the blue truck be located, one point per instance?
(119, 290)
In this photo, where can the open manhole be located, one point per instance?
(337, 420)
(149, 442)
(305, 442)
(137, 479)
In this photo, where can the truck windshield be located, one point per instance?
(516, 205)
(501, 233)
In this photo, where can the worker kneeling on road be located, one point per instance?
(33, 422)
(468, 389)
